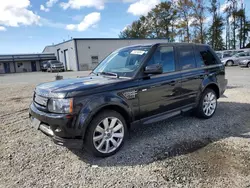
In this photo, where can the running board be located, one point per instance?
(165, 116)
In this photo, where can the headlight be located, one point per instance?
(60, 105)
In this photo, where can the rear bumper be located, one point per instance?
(58, 126)
(223, 86)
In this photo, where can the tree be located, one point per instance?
(231, 13)
(138, 29)
(185, 14)
(199, 11)
(216, 29)
(161, 20)
(159, 23)
(215, 33)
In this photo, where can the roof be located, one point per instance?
(27, 57)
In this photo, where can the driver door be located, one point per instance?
(159, 94)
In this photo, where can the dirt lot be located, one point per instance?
(181, 152)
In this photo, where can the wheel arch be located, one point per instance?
(214, 87)
(210, 85)
(124, 111)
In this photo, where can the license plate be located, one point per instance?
(35, 123)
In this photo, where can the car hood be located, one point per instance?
(57, 65)
(76, 86)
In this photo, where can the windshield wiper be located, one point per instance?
(97, 74)
(109, 74)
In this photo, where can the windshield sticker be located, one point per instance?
(138, 52)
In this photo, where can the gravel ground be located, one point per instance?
(180, 152)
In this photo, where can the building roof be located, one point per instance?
(27, 57)
(102, 39)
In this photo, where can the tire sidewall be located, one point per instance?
(200, 111)
(229, 63)
(88, 139)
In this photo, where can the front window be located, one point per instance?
(240, 54)
(124, 62)
(164, 56)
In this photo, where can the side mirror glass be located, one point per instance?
(153, 69)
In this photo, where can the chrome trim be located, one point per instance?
(46, 129)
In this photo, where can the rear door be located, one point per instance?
(191, 76)
(160, 93)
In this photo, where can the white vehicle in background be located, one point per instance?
(234, 59)
(223, 54)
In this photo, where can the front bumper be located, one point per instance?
(60, 127)
(57, 68)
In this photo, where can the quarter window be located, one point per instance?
(186, 57)
(205, 57)
(165, 56)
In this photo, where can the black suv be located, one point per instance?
(136, 84)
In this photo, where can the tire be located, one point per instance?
(108, 140)
(207, 104)
(248, 65)
(230, 63)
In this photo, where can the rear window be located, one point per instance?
(205, 57)
(186, 57)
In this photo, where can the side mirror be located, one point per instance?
(153, 69)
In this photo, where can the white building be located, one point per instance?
(85, 53)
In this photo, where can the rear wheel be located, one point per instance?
(106, 134)
(248, 65)
(207, 104)
(230, 63)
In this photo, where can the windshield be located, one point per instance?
(54, 62)
(123, 62)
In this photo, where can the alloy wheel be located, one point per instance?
(209, 104)
(108, 135)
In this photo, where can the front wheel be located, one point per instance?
(207, 104)
(106, 134)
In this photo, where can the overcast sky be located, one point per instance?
(27, 26)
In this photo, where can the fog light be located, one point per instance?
(58, 130)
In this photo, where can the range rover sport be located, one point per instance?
(136, 84)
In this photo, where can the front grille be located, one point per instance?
(40, 100)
